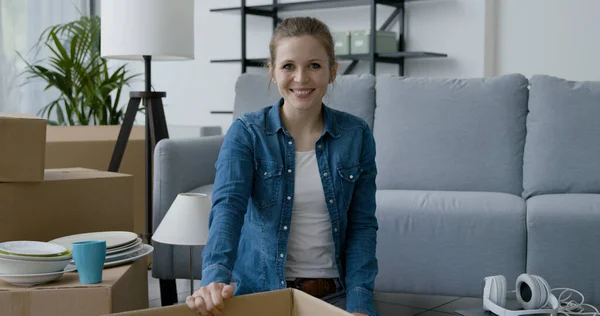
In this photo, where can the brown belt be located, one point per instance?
(315, 287)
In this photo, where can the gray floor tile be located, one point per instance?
(461, 303)
(415, 300)
(435, 313)
(389, 309)
(155, 303)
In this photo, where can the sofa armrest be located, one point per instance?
(181, 165)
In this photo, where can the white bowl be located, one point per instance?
(14, 266)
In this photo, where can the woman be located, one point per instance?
(294, 194)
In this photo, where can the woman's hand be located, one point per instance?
(209, 300)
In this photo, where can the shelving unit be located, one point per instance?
(272, 11)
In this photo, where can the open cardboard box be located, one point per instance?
(288, 302)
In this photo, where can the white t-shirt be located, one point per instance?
(311, 250)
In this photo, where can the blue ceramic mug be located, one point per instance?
(89, 259)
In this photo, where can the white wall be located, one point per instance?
(194, 88)
(553, 37)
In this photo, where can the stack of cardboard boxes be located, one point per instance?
(40, 203)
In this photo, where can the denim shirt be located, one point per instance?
(253, 196)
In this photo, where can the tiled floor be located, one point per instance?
(388, 304)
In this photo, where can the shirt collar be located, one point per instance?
(274, 124)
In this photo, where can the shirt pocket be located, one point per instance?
(348, 177)
(267, 183)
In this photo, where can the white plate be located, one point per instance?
(68, 255)
(124, 247)
(35, 279)
(14, 266)
(31, 248)
(113, 239)
(144, 251)
(124, 254)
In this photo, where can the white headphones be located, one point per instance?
(532, 291)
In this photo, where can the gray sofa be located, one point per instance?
(477, 177)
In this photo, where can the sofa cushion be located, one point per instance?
(354, 94)
(451, 134)
(445, 243)
(562, 148)
(563, 239)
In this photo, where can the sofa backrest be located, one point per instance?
(354, 94)
(451, 134)
(562, 149)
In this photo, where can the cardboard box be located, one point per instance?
(68, 201)
(22, 139)
(92, 147)
(288, 302)
(123, 288)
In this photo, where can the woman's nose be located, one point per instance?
(301, 76)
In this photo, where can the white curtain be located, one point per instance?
(21, 24)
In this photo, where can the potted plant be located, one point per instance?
(82, 77)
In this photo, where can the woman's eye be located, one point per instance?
(287, 66)
(315, 66)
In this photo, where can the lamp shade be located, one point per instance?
(186, 222)
(162, 29)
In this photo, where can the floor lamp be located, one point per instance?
(148, 30)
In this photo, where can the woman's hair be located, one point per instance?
(299, 26)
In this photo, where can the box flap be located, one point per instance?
(306, 305)
(19, 116)
(79, 173)
(90, 133)
(273, 303)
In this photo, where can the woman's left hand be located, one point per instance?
(359, 314)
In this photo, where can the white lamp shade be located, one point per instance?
(186, 222)
(163, 29)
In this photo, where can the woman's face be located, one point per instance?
(301, 71)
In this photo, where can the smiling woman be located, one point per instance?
(294, 192)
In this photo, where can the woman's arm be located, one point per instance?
(232, 189)
(361, 234)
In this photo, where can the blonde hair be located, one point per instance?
(300, 26)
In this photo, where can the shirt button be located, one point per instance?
(265, 173)
(289, 143)
(289, 197)
(325, 174)
(331, 201)
(281, 255)
(282, 283)
(290, 171)
(284, 227)
(335, 230)
(351, 177)
(319, 146)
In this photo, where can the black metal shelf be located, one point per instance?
(270, 9)
(391, 58)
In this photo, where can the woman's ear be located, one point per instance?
(271, 72)
(333, 72)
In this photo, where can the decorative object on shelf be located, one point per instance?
(146, 30)
(186, 223)
(393, 57)
(75, 68)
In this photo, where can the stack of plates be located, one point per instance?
(121, 247)
(28, 263)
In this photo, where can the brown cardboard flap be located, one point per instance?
(22, 144)
(79, 173)
(287, 302)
